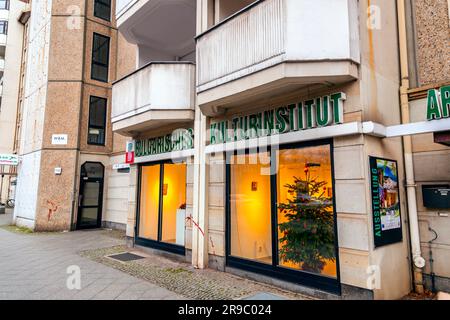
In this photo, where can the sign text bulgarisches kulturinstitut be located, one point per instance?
(319, 112)
(180, 139)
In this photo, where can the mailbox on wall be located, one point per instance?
(436, 196)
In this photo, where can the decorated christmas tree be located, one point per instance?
(308, 233)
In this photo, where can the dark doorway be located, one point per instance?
(90, 200)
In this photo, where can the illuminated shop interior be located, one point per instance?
(162, 206)
(250, 206)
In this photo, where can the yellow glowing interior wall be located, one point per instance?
(291, 163)
(250, 210)
(149, 204)
(175, 179)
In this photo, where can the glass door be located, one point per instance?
(90, 199)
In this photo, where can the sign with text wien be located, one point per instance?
(438, 103)
(385, 195)
(9, 159)
(314, 113)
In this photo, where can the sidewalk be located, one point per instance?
(34, 266)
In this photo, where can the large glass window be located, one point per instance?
(162, 205)
(251, 235)
(100, 58)
(149, 202)
(305, 210)
(174, 203)
(102, 9)
(97, 121)
(281, 214)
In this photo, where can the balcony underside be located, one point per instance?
(286, 77)
(150, 120)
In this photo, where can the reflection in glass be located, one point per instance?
(91, 191)
(149, 204)
(250, 207)
(305, 215)
(174, 204)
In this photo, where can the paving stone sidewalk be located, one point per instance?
(34, 266)
(187, 281)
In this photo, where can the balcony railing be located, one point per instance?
(159, 91)
(274, 31)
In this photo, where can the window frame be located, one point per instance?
(95, 63)
(7, 4)
(96, 2)
(316, 281)
(95, 126)
(5, 26)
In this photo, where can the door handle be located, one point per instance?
(80, 197)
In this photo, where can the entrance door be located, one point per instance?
(91, 196)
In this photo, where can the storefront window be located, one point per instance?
(251, 236)
(149, 204)
(162, 205)
(281, 218)
(305, 210)
(174, 204)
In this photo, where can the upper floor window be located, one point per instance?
(3, 27)
(4, 4)
(100, 58)
(97, 121)
(102, 9)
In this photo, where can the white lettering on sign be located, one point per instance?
(118, 166)
(9, 159)
(59, 139)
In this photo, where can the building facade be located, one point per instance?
(11, 39)
(65, 130)
(287, 141)
(428, 35)
(273, 151)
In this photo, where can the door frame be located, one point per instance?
(83, 180)
(316, 281)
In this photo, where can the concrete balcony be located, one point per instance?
(273, 47)
(155, 95)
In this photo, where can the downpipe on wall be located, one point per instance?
(417, 260)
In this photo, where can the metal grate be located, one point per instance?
(126, 257)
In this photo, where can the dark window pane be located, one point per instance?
(102, 9)
(97, 121)
(100, 58)
(3, 27)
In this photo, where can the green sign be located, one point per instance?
(438, 103)
(181, 139)
(319, 112)
(385, 194)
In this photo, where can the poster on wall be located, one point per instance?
(387, 222)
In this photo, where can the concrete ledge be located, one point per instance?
(348, 292)
(165, 254)
(114, 225)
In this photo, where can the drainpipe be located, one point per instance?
(417, 259)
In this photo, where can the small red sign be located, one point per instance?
(129, 158)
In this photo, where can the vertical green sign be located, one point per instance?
(385, 194)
